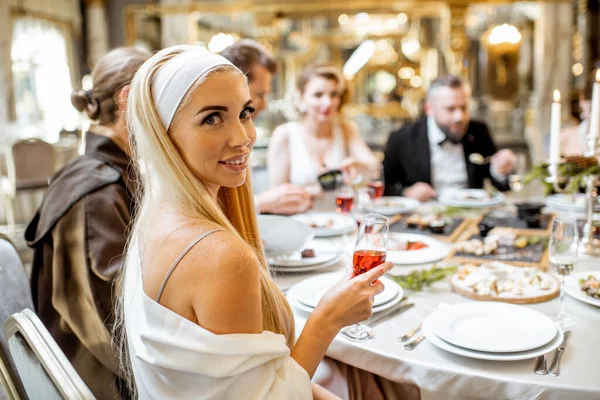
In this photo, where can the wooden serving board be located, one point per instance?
(516, 223)
(398, 225)
(531, 256)
(551, 294)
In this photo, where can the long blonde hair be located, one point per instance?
(168, 178)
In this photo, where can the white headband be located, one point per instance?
(173, 79)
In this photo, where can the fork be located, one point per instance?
(414, 343)
(411, 333)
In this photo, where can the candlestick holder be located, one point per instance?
(589, 244)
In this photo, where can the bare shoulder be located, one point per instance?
(349, 128)
(217, 282)
(281, 133)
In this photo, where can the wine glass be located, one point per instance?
(378, 182)
(370, 251)
(344, 200)
(563, 254)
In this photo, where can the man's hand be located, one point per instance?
(284, 199)
(504, 161)
(420, 191)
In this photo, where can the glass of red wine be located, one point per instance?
(378, 183)
(370, 251)
(344, 200)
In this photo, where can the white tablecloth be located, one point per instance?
(442, 375)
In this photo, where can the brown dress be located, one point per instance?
(78, 236)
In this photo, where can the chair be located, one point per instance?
(15, 295)
(30, 165)
(43, 367)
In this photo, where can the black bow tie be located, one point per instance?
(449, 140)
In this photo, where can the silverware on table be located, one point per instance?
(414, 343)
(554, 369)
(410, 334)
(541, 367)
(398, 309)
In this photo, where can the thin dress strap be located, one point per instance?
(176, 262)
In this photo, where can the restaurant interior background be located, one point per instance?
(513, 53)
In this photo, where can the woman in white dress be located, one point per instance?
(200, 316)
(321, 140)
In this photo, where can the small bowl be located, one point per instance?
(282, 236)
(330, 180)
(534, 221)
(485, 227)
(528, 209)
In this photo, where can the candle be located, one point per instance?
(555, 129)
(595, 115)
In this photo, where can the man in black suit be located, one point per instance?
(433, 153)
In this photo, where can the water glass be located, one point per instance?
(563, 254)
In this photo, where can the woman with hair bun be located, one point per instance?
(79, 232)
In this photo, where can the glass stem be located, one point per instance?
(561, 308)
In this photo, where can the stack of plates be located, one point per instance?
(394, 205)
(471, 198)
(306, 294)
(434, 251)
(327, 224)
(569, 202)
(492, 331)
(325, 256)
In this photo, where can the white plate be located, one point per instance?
(569, 202)
(297, 291)
(282, 235)
(474, 198)
(328, 224)
(277, 268)
(324, 253)
(480, 355)
(436, 251)
(394, 205)
(573, 289)
(493, 327)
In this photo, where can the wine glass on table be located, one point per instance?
(344, 200)
(378, 182)
(563, 255)
(370, 251)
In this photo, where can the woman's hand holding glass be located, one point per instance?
(351, 299)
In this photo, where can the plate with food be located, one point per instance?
(471, 198)
(412, 248)
(584, 286)
(575, 202)
(327, 224)
(314, 253)
(496, 281)
(390, 205)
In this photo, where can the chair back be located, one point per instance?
(15, 295)
(30, 163)
(43, 367)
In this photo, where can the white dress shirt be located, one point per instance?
(448, 166)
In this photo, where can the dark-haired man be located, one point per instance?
(259, 66)
(433, 153)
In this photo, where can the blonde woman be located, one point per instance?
(321, 140)
(202, 316)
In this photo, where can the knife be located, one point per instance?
(555, 366)
(400, 308)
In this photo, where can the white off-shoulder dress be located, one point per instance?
(173, 358)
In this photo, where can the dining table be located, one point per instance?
(442, 375)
